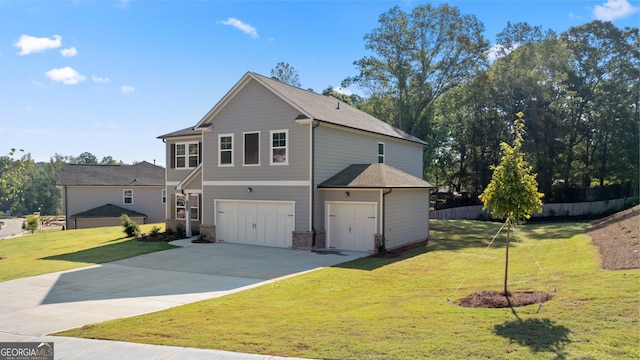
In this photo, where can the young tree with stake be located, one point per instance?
(512, 193)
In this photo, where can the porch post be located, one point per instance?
(187, 216)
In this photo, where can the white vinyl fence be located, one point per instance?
(548, 210)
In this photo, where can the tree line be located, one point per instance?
(27, 186)
(432, 74)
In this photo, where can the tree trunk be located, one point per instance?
(506, 263)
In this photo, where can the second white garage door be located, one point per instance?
(351, 226)
(267, 223)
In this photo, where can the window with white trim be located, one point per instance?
(225, 150)
(279, 147)
(164, 196)
(127, 196)
(251, 148)
(194, 206)
(380, 153)
(181, 207)
(187, 155)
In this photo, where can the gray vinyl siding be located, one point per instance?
(407, 216)
(176, 175)
(146, 200)
(336, 148)
(298, 194)
(255, 108)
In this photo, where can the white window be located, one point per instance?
(225, 147)
(279, 147)
(127, 196)
(251, 148)
(194, 206)
(164, 196)
(381, 153)
(187, 155)
(180, 207)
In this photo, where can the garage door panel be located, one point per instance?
(351, 226)
(257, 223)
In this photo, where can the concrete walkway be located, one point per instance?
(36, 306)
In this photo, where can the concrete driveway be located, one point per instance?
(43, 304)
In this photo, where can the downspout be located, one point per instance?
(384, 215)
(313, 187)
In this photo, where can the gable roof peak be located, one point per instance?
(314, 106)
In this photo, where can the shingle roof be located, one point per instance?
(140, 174)
(322, 108)
(374, 176)
(184, 132)
(107, 210)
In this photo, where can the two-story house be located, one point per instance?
(271, 164)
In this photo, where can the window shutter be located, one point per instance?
(200, 152)
(173, 156)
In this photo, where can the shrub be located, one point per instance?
(31, 223)
(155, 231)
(131, 228)
(180, 231)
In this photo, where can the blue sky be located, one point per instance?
(108, 77)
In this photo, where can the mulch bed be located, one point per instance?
(158, 238)
(495, 299)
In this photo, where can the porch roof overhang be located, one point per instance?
(374, 176)
(184, 184)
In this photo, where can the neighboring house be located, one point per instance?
(97, 195)
(271, 164)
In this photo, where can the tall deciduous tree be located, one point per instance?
(417, 57)
(512, 193)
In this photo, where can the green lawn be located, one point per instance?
(55, 250)
(403, 308)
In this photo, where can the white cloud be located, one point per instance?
(66, 75)
(497, 51)
(574, 16)
(37, 83)
(245, 28)
(70, 52)
(99, 79)
(613, 9)
(127, 89)
(29, 44)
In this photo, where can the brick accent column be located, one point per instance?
(301, 240)
(377, 238)
(209, 232)
(321, 239)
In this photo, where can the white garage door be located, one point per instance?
(267, 223)
(351, 226)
